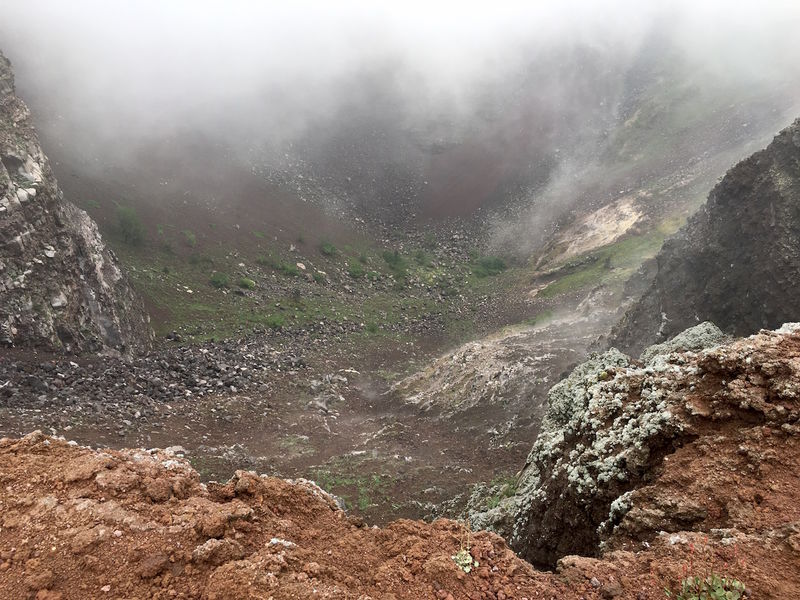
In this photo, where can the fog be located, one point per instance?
(104, 75)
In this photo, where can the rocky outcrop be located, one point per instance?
(60, 286)
(736, 262)
(692, 441)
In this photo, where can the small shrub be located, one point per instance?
(422, 258)
(190, 238)
(275, 321)
(288, 269)
(328, 249)
(355, 269)
(200, 259)
(710, 584)
(267, 261)
(318, 277)
(372, 327)
(713, 587)
(246, 283)
(219, 280)
(130, 225)
(395, 261)
(487, 266)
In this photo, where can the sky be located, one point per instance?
(149, 63)
(103, 74)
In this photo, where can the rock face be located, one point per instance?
(736, 262)
(689, 442)
(60, 287)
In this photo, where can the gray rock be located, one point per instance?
(699, 337)
(59, 300)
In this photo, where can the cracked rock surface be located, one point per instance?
(60, 286)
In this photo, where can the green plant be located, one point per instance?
(422, 258)
(396, 262)
(190, 238)
(130, 225)
(328, 249)
(709, 584)
(200, 259)
(318, 277)
(463, 558)
(487, 266)
(275, 321)
(372, 327)
(504, 487)
(355, 269)
(246, 283)
(219, 280)
(712, 587)
(288, 269)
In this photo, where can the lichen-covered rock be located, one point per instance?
(695, 338)
(60, 286)
(592, 476)
(736, 262)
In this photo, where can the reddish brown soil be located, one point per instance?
(79, 523)
(83, 524)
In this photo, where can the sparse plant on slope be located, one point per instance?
(328, 249)
(219, 280)
(713, 587)
(463, 558)
(487, 266)
(396, 263)
(246, 283)
(709, 584)
(355, 269)
(190, 238)
(130, 225)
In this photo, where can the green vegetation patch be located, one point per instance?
(357, 490)
(355, 269)
(189, 238)
(130, 226)
(611, 264)
(328, 249)
(488, 266)
(219, 280)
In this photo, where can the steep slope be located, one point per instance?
(60, 287)
(736, 262)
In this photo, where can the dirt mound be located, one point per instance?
(79, 523)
